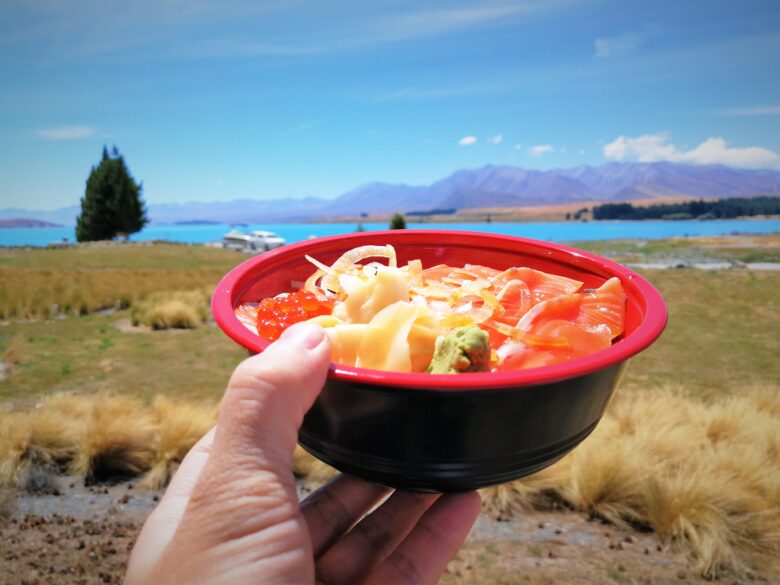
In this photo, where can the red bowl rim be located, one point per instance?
(648, 331)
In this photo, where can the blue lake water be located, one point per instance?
(294, 232)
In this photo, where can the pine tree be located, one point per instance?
(398, 222)
(112, 203)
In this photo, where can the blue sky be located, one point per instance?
(224, 100)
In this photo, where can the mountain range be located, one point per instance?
(488, 186)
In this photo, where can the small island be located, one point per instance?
(27, 223)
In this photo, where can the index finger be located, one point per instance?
(334, 508)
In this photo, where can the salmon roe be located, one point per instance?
(276, 314)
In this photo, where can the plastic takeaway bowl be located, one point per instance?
(446, 432)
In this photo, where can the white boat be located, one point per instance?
(255, 241)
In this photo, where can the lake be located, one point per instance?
(295, 232)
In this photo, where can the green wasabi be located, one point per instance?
(465, 350)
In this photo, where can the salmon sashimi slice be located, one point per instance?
(580, 341)
(543, 286)
(606, 306)
(516, 299)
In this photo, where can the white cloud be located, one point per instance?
(656, 147)
(752, 111)
(611, 46)
(497, 139)
(65, 132)
(467, 140)
(541, 149)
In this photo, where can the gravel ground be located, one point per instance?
(76, 534)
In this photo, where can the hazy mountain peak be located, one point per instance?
(486, 186)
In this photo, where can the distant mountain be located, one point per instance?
(26, 223)
(488, 186)
(238, 210)
(633, 180)
(500, 186)
(377, 198)
(62, 216)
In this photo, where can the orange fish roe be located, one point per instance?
(276, 314)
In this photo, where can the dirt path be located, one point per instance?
(82, 535)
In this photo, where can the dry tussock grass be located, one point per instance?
(101, 436)
(180, 424)
(43, 293)
(314, 470)
(173, 310)
(704, 477)
(13, 353)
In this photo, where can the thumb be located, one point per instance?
(267, 397)
(242, 518)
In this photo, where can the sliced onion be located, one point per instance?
(432, 291)
(346, 263)
(477, 314)
(455, 321)
(414, 269)
(311, 286)
(247, 314)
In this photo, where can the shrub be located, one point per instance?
(398, 222)
(172, 310)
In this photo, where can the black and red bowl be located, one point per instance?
(446, 432)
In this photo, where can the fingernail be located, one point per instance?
(307, 334)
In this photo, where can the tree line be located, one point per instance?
(719, 209)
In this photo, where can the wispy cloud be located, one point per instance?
(266, 30)
(714, 150)
(541, 149)
(497, 139)
(445, 91)
(435, 22)
(751, 111)
(611, 46)
(65, 132)
(467, 140)
(306, 126)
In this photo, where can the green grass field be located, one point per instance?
(765, 248)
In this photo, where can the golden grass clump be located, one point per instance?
(314, 470)
(101, 436)
(12, 355)
(704, 477)
(118, 438)
(173, 310)
(180, 424)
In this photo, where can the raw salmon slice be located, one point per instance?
(606, 306)
(517, 300)
(543, 286)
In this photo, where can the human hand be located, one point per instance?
(231, 513)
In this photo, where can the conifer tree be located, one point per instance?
(398, 222)
(112, 203)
